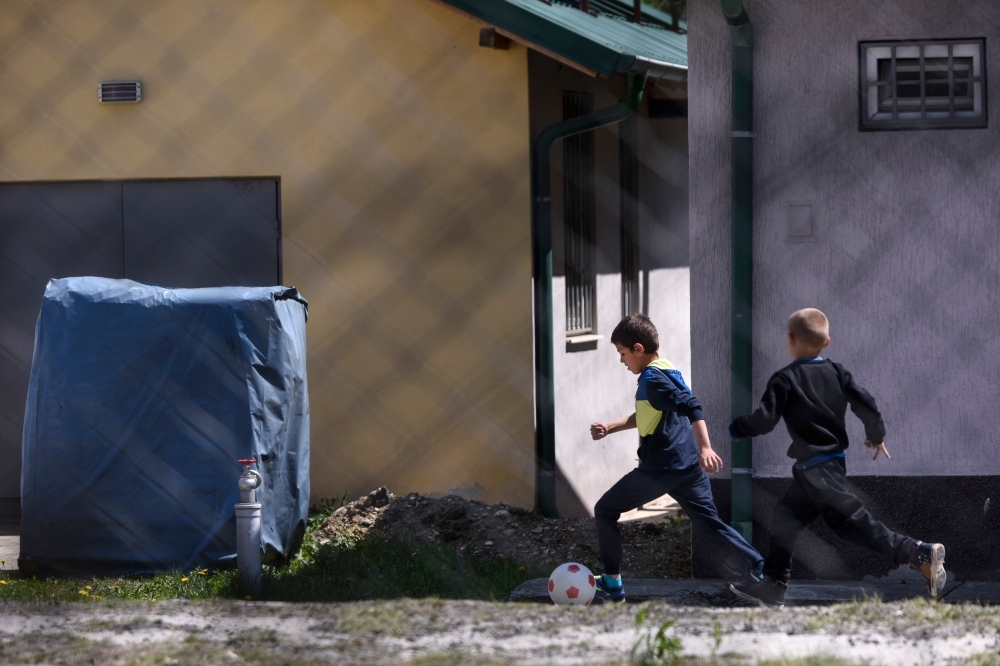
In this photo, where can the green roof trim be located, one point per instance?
(604, 43)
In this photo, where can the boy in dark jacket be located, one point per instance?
(812, 395)
(674, 456)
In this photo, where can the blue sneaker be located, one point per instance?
(608, 594)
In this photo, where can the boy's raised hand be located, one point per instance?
(709, 461)
(879, 449)
(598, 431)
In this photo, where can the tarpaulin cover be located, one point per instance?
(141, 401)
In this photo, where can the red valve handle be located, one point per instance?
(247, 461)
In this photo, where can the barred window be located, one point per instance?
(580, 213)
(923, 84)
(628, 182)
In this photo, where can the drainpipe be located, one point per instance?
(541, 259)
(742, 262)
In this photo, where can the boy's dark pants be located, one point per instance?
(822, 491)
(691, 489)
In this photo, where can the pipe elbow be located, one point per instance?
(636, 85)
(735, 13)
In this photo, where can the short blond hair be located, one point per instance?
(810, 326)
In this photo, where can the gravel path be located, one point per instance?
(431, 632)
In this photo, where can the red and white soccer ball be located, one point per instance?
(572, 584)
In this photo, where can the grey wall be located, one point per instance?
(591, 384)
(906, 259)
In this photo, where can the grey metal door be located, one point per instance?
(178, 233)
(47, 230)
(202, 233)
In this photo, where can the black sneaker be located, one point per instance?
(928, 559)
(767, 592)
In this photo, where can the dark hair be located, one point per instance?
(636, 329)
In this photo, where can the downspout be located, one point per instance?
(742, 261)
(541, 259)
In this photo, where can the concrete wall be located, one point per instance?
(905, 260)
(904, 263)
(402, 148)
(591, 383)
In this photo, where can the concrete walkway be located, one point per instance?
(710, 592)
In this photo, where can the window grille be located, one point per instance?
(579, 212)
(628, 181)
(923, 85)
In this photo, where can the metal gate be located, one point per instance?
(177, 233)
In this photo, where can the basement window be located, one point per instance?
(923, 84)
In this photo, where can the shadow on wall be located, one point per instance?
(570, 504)
(661, 169)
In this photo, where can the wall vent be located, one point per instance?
(120, 91)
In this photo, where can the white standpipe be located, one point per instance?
(248, 531)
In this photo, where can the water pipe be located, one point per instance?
(541, 259)
(248, 531)
(742, 259)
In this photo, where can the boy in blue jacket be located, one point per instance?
(674, 456)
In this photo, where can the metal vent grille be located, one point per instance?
(120, 91)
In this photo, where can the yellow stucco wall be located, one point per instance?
(402, 148)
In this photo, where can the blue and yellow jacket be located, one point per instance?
(664, 411)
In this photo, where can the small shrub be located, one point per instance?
(654, 649)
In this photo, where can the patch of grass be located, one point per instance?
(812, 660)
(348, 569)
(62, 648)
(374, 621)
(198, 584)
(983, 659)
(456, 659)
(910, 614)
(189, 651)
(378, 567)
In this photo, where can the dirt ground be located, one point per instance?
(651, 550)
(438, 633)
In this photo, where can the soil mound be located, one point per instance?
(475, 528)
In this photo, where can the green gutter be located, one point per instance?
(541, 259)
(742, 263)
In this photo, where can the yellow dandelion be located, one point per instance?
(203, 572)
(89, 587)
(520, 568)
(3, 582)
(84, 592)
(185, 579)
(413, 553)
(248, 598)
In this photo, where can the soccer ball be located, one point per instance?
(572, 584)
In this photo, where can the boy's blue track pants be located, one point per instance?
(692, 490)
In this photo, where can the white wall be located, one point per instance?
(591, 383)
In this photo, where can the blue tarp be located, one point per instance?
(141, 401)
